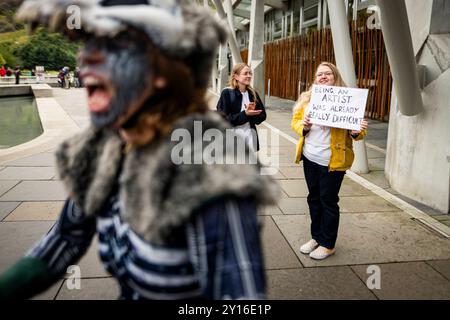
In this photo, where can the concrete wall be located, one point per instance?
(441, 17)
(15, 90)
(418, 147)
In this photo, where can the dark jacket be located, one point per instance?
(230, 103)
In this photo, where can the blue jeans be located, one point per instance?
(323, 187)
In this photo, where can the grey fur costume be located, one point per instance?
(158, 196)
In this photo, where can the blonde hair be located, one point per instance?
(305, 96)
(233, 83)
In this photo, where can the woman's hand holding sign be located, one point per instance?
(307, 122)
(364, 125)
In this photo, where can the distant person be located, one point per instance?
(326, 153)
(9, 72)
(66, 77)
(242, 106)
(62, 78)
(17, 74)
(76, 78)
(2, 71)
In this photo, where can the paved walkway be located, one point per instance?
(375, 229)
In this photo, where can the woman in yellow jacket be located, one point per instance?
(326, 153)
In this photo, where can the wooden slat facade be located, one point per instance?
(290, 64)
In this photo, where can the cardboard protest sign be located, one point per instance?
(338, 107)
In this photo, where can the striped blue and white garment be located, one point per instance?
(220, 256)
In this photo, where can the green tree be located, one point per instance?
(2, 60)
(6, 51)
(52, 51)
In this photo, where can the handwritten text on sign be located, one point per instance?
(338, 107)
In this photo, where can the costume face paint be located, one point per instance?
(115, 72)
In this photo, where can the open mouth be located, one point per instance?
(99, 93)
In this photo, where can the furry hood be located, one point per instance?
(180, 29)
(158, 195)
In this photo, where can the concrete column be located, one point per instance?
(400, 52)
(256, 49)
(355, 10)
(235, 52)
(214, 73)
(230, 17)
(223, 68)
(291, 30)
(344, 60)
(319, 15)
(325, 14)
(300, 31)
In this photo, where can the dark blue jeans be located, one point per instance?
(323, 187)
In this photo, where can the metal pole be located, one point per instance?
(400, 52)
(344, 60)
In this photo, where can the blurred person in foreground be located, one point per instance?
(169, 226)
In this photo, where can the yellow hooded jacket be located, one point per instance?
(341, 141)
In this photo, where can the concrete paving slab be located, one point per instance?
(90, 264)
(294, 188)
(393, 191)
(36, 191)
(443, 217)
(378, 178)
(6, 208)
(376, 164)
(277, 252)
(372, 153)
(283, 194)
(447, 223)
(6, 185)
(294, 206)
(28, 211)
(287, 150)
(370, 203)
(369, 238)
(408, 281)
(442, 266)
(288, 164)
(50, 293)
(351, 188)
(319, 283)
(269, 210)
(380, 143)
(293, 172)
(298, 189)
(16, 238)
(27, 173)
(44, 159)
(278, 175)
(91, 289)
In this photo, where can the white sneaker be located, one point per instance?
(321, 253)
(309, 246)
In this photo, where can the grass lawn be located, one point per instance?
(15, 36)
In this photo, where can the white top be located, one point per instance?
(317, 145)
(245, 130)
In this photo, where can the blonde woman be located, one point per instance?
(241, 105)
(326, 153)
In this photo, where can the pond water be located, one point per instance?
(19, 120)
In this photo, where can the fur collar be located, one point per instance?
(158, 196)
